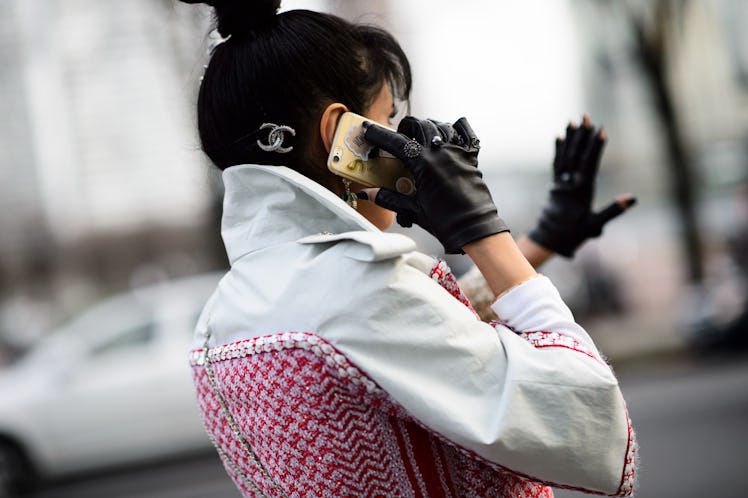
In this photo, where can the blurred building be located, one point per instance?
(704, 52)
(21, 216)
(99, 160)
(102, 181)
(107, 107)
(667, 77)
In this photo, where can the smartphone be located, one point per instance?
(352, 157)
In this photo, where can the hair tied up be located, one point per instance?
(241, 17)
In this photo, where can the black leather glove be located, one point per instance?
(451, 201)
(567, 219)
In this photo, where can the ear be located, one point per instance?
(328, 123)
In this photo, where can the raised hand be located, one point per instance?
(567, 220)
(451, 201)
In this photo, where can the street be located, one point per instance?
(691, 420)
(691, 417)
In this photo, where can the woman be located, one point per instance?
(335, 360)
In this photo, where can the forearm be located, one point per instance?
(500, 261)
(535, 254)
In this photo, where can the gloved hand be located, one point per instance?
(567, 220)
(451, 200)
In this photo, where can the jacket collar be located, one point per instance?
(268, 205)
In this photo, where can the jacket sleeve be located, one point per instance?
(530, 393)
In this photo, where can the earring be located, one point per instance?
(349, 196)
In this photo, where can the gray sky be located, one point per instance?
(512, 68)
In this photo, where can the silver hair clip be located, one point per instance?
(276, 136)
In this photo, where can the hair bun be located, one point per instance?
(240, 17)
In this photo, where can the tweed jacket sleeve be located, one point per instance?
(530, 393)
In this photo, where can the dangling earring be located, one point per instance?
(349, 196)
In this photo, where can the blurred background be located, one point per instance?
(104, 192)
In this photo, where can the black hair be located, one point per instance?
(285, 69)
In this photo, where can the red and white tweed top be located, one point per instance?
(347, 364)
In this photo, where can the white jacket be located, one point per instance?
(531, 394)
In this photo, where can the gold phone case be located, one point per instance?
(352, 157)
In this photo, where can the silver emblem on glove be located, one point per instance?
(412, 149)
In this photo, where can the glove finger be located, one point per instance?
(429, 130)
(447, 132)
(586, 135)
(466, 133)
(583, 171)
(405, 220)
(413, 128)
(393, 142)
(596, 222)
(593, 153)
(571, 138)
(558, 158)
(399, 203)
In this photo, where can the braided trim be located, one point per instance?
(279, 342)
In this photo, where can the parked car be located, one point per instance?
(111, 387)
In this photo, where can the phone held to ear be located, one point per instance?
(352, 157)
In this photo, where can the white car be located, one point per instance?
(112, 387)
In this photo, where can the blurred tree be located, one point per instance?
(653, 24)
